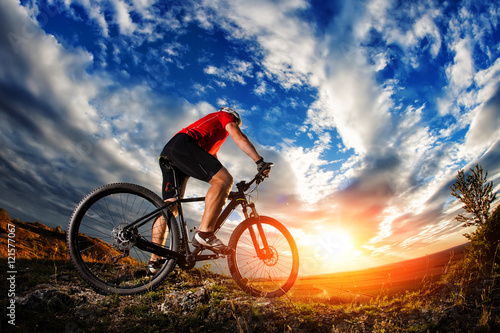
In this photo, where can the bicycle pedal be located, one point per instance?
(199, 249)
(216, 251)
(227, 251)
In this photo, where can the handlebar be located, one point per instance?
(259, 178)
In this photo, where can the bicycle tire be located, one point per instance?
(95, 247)
(272, 277)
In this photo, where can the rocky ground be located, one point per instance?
(200, 301)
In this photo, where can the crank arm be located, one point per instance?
(158, 250)
(202, 257)
(196, 258)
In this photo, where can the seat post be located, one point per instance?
(176, 184)
(169, 165)
(177, 189)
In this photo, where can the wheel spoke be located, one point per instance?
(101, 249)
(275, 272)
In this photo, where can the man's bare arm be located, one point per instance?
(242, 141)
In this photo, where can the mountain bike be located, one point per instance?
(109, 240)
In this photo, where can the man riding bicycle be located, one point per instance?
(193, 152)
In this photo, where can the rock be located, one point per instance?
(47, 300)
(184, 301)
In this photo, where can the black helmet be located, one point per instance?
(232, 112)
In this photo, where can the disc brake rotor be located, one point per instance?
(121, 241)
(273, 260)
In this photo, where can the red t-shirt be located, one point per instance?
(210, 131)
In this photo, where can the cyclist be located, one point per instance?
(193, 152)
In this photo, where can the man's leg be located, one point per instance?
(159, 232)
(215, 199)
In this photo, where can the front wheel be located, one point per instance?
(265, 260)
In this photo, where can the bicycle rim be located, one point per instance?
(104, 258)
(273, 275)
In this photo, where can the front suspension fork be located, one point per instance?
(262, 252)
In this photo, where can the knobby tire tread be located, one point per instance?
(74, 222)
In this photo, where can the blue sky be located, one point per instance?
(367, 108)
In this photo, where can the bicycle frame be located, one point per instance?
(236, 198)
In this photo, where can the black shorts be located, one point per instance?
(189, 159)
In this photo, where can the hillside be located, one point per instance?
(387, 280)
(50, 297)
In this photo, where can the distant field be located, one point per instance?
(363, 285)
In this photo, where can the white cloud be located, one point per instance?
(460, 73)
(107, 13)
(487, 79)
(94, 11)
(123, 18)
(48, 71)
(286, 42)
(485, 125)
(407, 26)
(358, 109)
(426, 27)
(381, 60)
(261, 89)
(313, 183)
(234, 72)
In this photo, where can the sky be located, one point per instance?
(368, 109)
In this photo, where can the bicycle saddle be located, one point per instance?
(166, 162)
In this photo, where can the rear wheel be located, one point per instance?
(258, 272)
(102, 250)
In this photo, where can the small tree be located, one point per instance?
(476, 194)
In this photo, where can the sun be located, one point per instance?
(335, 242)
(328, 249)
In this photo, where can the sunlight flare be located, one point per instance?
(334, 242)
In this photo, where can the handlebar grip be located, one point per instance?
(264, 167)
(260, 176)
